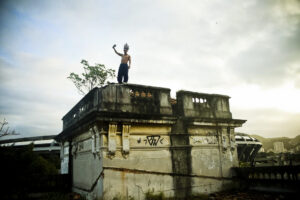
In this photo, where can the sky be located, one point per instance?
(249, 50)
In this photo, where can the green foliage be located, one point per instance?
(117, 198)
(41, 166)
(244, 164)
(151, 196)
(27, 161)
(131, 198)
(199, 196)
(93, 76)
(121, 197)
(55, 196)
(19, 167)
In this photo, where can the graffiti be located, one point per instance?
(153, 140)
(197, 140)
(139, 140)
(204, 140)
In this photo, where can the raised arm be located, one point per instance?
(116, 51)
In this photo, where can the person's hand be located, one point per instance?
(114, 46)
(129, 67)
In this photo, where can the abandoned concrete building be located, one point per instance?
(126, 140)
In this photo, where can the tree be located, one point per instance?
(93, 76)
(23, 171)
(4, 131)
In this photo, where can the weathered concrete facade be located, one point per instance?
(125, 140)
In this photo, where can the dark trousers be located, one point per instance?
(123, 73)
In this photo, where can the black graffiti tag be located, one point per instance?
(153, 140)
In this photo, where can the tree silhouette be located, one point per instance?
(5, 129)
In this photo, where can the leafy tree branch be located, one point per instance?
(93, 76)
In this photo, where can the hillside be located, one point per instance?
(289, 143)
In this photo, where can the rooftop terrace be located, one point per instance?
(147, 102)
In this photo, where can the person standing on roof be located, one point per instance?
(125, 64)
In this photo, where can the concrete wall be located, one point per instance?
(150, 164)
(87, 166)
(64, 158)
(126, 184)
(146, 167)
(129, 139)
(192, 104)
(135, 99)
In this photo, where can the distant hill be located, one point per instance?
(289, 143)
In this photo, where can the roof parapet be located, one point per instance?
(141, 100)
(202, 105)
(125, 98)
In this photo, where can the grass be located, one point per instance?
(160, 196)
(151, 196)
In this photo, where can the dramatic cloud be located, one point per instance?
(246, 49)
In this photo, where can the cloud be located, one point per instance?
(269, 122)
(205, 46)
(273, 51)
(32, 98)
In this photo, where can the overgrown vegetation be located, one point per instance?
(55, 196)
(244, 164)
(21, 170)
(120, 197)
(93, 76)
(151, 196)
